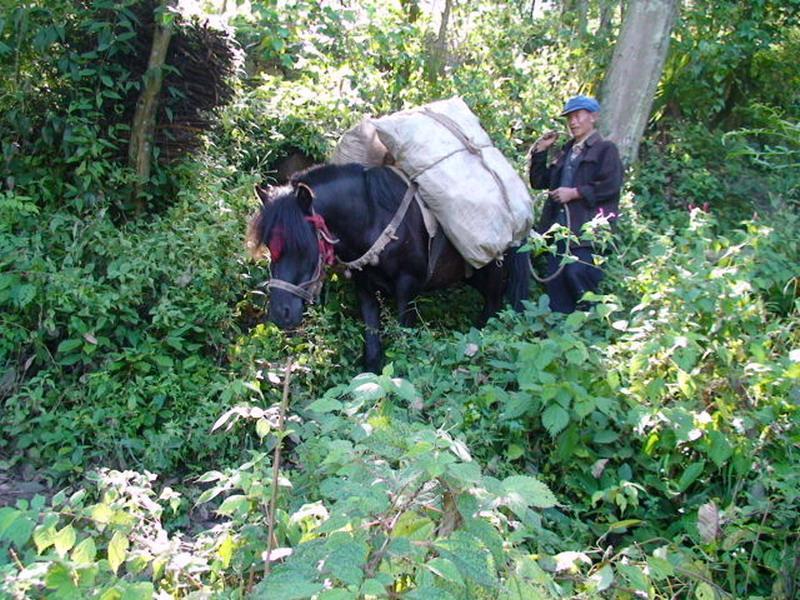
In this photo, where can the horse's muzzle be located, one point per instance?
(286, 314)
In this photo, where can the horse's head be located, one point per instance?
(284, 226)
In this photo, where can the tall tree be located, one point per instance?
(630, 83)
(438, 52)
(140, 148)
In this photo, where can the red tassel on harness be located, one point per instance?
(276, 244)
(326, 240)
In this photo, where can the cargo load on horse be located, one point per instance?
(470, 187)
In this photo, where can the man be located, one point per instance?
(583, 181)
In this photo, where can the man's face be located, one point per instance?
(581, 123)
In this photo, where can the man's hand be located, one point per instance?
(563, 195)
(544, 142)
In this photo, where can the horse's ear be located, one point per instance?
(263, 194)
(305, 196)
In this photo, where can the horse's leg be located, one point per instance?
(371, 314)
(489, 282)
(407, 287)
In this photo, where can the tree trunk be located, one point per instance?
(439, 50)
(411, 9)
(630, 84)
(140, 148)
(582, 8)
(606, 17)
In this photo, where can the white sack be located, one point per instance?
(478, 198)
(361, 144)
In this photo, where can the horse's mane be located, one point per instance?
(323, 174)
(383, 188)
(280, 216)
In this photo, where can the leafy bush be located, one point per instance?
(120, 329)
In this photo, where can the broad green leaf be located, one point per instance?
(515, 405)
(606, 436)
(465, 473)
(584, 407)
(427, 592)
(225, 550)
(689, 476)
(69, 345)
(603, 578)
(60, 577)
(236, 503)
(346, 560)
(532, 491)
(210, 494)
(262, 428)
(141, 590)
(720, 450)
(372, 587)
(64, 540)
(85, 552)
(15, 526)
(446, 570)
(101, 513)
(413, 526)
(514, 451)
(44, 536)
(660, 568)
(634, 575)
(528, 567)
(554, 419)
(325, 405)
(117, 550)
(404, 389)
(369, 391)
(471, 560)
(704, 591)
(163, 361)
(487, 535)
(286, 586)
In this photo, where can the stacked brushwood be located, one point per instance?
(201, 64)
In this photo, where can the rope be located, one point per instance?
(566, 253)
(454, 128)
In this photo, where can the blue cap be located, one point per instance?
(581, 103)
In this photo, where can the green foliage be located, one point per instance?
(717, 57)
(645, 447)
(119, 329)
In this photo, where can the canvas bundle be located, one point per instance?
(361, 145)
(476, 195)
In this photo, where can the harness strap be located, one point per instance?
(297, 290)
(371, 256)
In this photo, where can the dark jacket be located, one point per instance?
(598, 178)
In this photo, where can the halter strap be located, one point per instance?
(311, 289)
(297, 290)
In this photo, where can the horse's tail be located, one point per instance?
(519, 277)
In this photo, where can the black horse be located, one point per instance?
(340, 213)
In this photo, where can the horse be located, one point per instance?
(364, 218)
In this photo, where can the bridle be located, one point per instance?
(310, 290)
